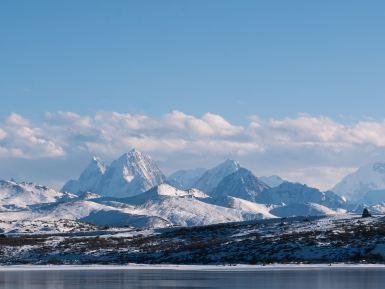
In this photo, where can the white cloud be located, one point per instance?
(315, 150)
(16, 120)
(19, 138)
(220, 125)
(3, 134)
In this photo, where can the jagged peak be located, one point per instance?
(133, 172)
(230, 162)
(132, 156)
(96, 159)
(227, 165)
(133, 153)
(243, 175)
(243, 172)
(96, 163)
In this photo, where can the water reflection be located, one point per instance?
(325, 278)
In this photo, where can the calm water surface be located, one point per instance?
(324, 278)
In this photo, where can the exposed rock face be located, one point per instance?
(131, 174)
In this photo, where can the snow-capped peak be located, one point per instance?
(134, 162)
(89, 179)
(241, 184)
(131, 155)
(132, 173)
(367, 178)
(95, 169)
(211, 178)
(98, 164)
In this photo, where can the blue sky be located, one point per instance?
(234, 58)
(294, 88)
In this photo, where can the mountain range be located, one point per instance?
(133, 192)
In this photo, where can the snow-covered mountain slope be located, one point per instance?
(161, 206)
(189, 211)
(22, 222)
(212, 177)
(20, 195)
(131, 174)
(367, 178)
(241, 184)
(309, 209)
(185, 179)
(85, 209)
(60, 216)
(272, 181)
(163, 191)
(182, 208)
(73, 210)
(294, 193)
(32, 208)
(89, 180)
(247, 207)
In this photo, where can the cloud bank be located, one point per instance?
(314, 150)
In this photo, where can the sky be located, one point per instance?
(294, 88)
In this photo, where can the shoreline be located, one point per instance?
(237, 267)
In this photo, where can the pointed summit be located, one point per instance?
(132, 173)
(240, 184)
(97, 164)
(230, 162)
(211, 178)
(131, 153)
(89, 179)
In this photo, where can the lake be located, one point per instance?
(322, 278)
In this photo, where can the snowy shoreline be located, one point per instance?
(238, 267)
